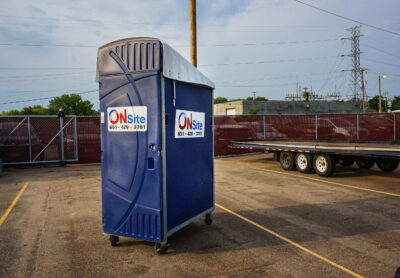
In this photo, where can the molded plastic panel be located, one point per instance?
(131, 190)
(190, 174)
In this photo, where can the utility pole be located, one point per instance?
(193, 33)
(363, 89)
(355, 59)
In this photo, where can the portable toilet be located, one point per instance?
(157, 163)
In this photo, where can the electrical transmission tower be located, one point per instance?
(355, 60)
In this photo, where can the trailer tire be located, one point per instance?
(304, 162)
(388, 165)
(287, 161)
(346, 162)
(324, 165)
(365, 163)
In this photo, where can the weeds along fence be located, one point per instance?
(50, 139)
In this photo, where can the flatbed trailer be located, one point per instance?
(322, 157)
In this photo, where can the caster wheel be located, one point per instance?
(209, 219)
(161, 248)
(114, 240)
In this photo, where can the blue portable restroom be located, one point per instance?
(157, 162)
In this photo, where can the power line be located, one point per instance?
(270, 61)
(46, 45)
(379, 62)
(210, 45)
(91, 20)
(148, 24)
(383, 51)
(42, 75)
(273, 78)
(347, 18)
(269, 85)
(34, 68)
(43, 98)
(335, 67)
(34, 92)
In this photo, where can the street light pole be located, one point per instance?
(380, 94)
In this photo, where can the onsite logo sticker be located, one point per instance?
(127, 118)
(189, 124)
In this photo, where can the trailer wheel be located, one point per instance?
(346, 162)
(388, 165)
(161, 248)
(114, 240)
(324, 165)
(365, 163)
(304, 162)
(287, 161)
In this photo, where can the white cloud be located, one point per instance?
(219, 22)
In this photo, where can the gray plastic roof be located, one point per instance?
(174, 65)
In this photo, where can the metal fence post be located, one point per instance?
(62, 138)
(264, 126)
(394, 126)
(358, 123)
(29, 139)
(76, 139)
(316, 126)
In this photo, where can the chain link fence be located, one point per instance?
(371, 127)
(41, 139)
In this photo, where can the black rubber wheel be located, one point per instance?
(287, 161)
(63, 163)
(161, 248)
(346, 162)
(324, 165)
(304, 162)
(209, 219)
(388, 165)
(365, 163)
(114, 240)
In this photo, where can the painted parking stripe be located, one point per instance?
(3, 218)
(332, 182)
(291, 242)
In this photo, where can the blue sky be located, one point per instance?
(49, 47)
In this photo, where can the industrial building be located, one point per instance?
(242, 107)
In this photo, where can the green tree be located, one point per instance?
(306, 96)
(252, 111)
(220, 100)
(396, 103)
(72, 105)
(374, 103)
(257, 98)
(30, 110)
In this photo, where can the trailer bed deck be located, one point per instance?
(342, 148)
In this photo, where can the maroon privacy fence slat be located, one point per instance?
(384, 127)
(378, 127)
(88, 139)
(236, 128)
(290, 127)
(337, 126)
